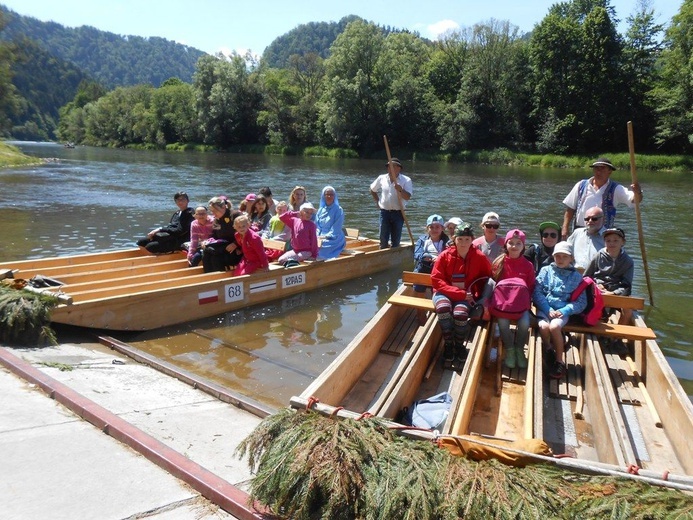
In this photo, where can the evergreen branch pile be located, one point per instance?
(25, 317)
(308, 466)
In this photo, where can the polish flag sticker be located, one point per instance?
(208, 297)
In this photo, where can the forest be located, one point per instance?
(568, 87)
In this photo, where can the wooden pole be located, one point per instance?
(641, 238)
(399, 195)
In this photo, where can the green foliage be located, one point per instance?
(25, 317)
(311, 38)
(673, 95)
(308, 466)
(111, 59)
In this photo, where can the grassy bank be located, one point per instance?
(500, 156)
(11, 156)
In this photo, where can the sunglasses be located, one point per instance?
(491, 226)
(592, 219)
(549, 235)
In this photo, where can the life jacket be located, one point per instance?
(595, 302)
(510, 299)
(607, 203)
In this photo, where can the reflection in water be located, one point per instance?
(271, 352)
(95, 199)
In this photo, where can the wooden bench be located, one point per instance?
(613, 330)
(270, 243)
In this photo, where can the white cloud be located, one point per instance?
(442, 27)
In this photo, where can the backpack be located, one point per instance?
(595, 303)
(429, 413)
(510, 299)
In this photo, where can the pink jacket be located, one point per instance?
(304, 233)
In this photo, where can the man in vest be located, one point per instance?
(599, 190)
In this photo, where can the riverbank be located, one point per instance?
(11, 156)
(498, 156)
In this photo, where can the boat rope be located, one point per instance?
(312, 400)
(633, 469)
(364, 415)
(336, 411)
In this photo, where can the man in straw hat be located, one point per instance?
(599, 190)
(387, 194)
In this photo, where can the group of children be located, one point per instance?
(457, 261)
(229, 239)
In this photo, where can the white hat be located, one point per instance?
(563, 247)
(307, 205)
(491, 217)
(454, 220)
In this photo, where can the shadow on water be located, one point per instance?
(93, 199)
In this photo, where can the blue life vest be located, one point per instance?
(607, 203)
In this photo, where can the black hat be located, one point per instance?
(603, 161)
(395, 160)
(615, 231)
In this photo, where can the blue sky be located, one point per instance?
(223, 25)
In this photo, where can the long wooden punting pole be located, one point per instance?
(399, 195)
(641, 238)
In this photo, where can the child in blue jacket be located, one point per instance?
(554, 286)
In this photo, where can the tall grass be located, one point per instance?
(11, 156)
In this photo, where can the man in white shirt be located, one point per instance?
(599, 190)
(391, 197)
(588, 240)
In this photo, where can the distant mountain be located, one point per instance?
(109, 58)
(314, 37)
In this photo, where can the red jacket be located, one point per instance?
(453, 275)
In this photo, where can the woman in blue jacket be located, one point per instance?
(330, 222)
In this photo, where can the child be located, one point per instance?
(512, 264)
(200, 230)
(304, 234)
(254, 256)
(554, 286)
(490, 244)
(259, 214)
(428, 247)
(455, 289)
(612, 268)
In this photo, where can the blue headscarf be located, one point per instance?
(330, 222)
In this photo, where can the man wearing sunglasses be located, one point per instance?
(598, 190)
(588, 240)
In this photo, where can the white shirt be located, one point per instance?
(592, 198)
(387, 194)
(585, 246)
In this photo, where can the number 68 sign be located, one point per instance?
(233, 292)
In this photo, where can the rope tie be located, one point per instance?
(336, 410)
(562, 456)
(665, 475)
(364, 415)
(633, 469)
(312, 400)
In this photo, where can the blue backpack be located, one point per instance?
(429, 413)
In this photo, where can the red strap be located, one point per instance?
(364, 415)
(633, 469)
(336, 410)
(312, 400)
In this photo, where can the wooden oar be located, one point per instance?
(641, 238)
(399, 195)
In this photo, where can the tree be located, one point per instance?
(352, 107)
(173, 110)
(673, 95)
(408, 94)
(8, 92)
(226, 101)
(641, 51)
(578, 98)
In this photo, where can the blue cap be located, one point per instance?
(435, 219)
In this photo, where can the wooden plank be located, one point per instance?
(410, 277)
(623, 302)
(621, 377)
(573, 374)
(610, 417)
(402, 337)
(351, 232)
(613, 331)
(411, 301)
(271, 243)
(580, 391)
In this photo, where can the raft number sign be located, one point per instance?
(233, 292)
(292, 280)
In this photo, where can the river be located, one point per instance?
(88, 199)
